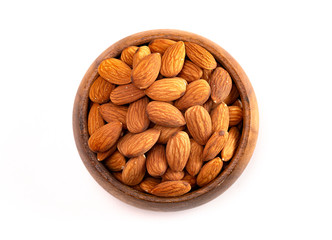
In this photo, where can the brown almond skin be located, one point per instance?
(167, 132)
(171, 175)
(178, 150)
(231, 144)
(146, 71)
(235, 115)
(200, 56)
(137, 119)
(165, 114)
(238, 103)
(220, 118)
(167, 89)
(195, 160)
(100, 90)
(115, 162)
(95, 120)
(173, 60)
(149, 183)
(215, 144)
(171, 189)
(105, 137)
(133, 145)
(160, 45)
(115, 71)
(208, 105)
(232, 96)
(103, 155)
(209, 172)
(156, 163)
(126, 94)
(221, 85)
(198, 92)
(190, 71)
(207, 73)
(127, 55)
(189, 179)
(118, 176)
(199, 124)
(111, 112)
(140, 54)
(134, 171)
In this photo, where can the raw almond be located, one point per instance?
(231, 144)
(115, 162)
(220, 118)
(207, 74)
(232, 96)
(215, 144)
(221, 85)
(134, 171)
(100, 90)
(199, 123)
(171, 189)
(190, 71)
(146, 71)
(137, 120)
(200, 56)
(133, 145)
(140, 54)
(111, 112)
(127, 55)
(198, 92)
(165, 114)
(126, 94)
(166, 132)
(189, 179)
(171, 175)
(160, 45)
(208, 105)
(118, 176)
(209, 172)
(115, 71)
(103, 155)
(149, 183)
(156, 163)
(167, 89)
(178, 150)
(173, 60)
(95, 120)
(235, 115)
(195, 161)
(105, 137)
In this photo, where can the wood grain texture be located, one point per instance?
(198, 197)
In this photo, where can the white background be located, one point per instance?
(285, 47)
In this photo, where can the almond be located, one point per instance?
(189, 179)
(127, 55)
(111, 112)
(173, 60)
(149, 183)
(134, 171)
(95, 120)
(220, 118)
(214, 145)
(200, 56)
(105, 137)
(207, 74)
(126, 94)
(231, 144)
(146, 71)
(118, 176)
(156, 163)
(165, 114)
(133, 145)
(195, 161)
(160, 45)
(198, 92)
(140, 54)
(171, 175)
(208, 105)
(199, 124)
(166, 132)
(167, 89)
(115, 162)
(103, 155)
(209, 172)
(178, 150)
(235, 115)
(221, 85)
(100, 90)
(137, 119)
(115, 71)
(190, 71)
(238, 103)
(171, 189)
(232, 96)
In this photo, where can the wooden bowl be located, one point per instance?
(193, 199)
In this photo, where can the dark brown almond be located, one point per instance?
(115, 162)
(95, 120)
(189, 179)
(103, 155)
(232, 96)
(126, 94)
(137, 119)
(100, 90)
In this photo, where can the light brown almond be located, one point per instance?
(190, 71)
(195, 160)
(166, 132)
(171, 175)
(103, 155)
(221, 85)
(171, 189)
(215, 144)
(200, 56)
(165, 114)
(231, 144)
(178, 150)
(232, 96)
(95, 120)
(156, 163)
(167, 89)
(137, 119)
(220, 118)
(111, 112)
(115, 71)
(173, 60)
(126, 94)
(209, 172)
(133, 145)
(235, 115)
(100, 90)
(115, 162)
(149, 183)
(140, 54)
(134, 171)
(160, 45)
(127, 55)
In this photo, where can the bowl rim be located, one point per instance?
(202, 195)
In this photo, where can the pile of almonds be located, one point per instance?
(164, 117)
